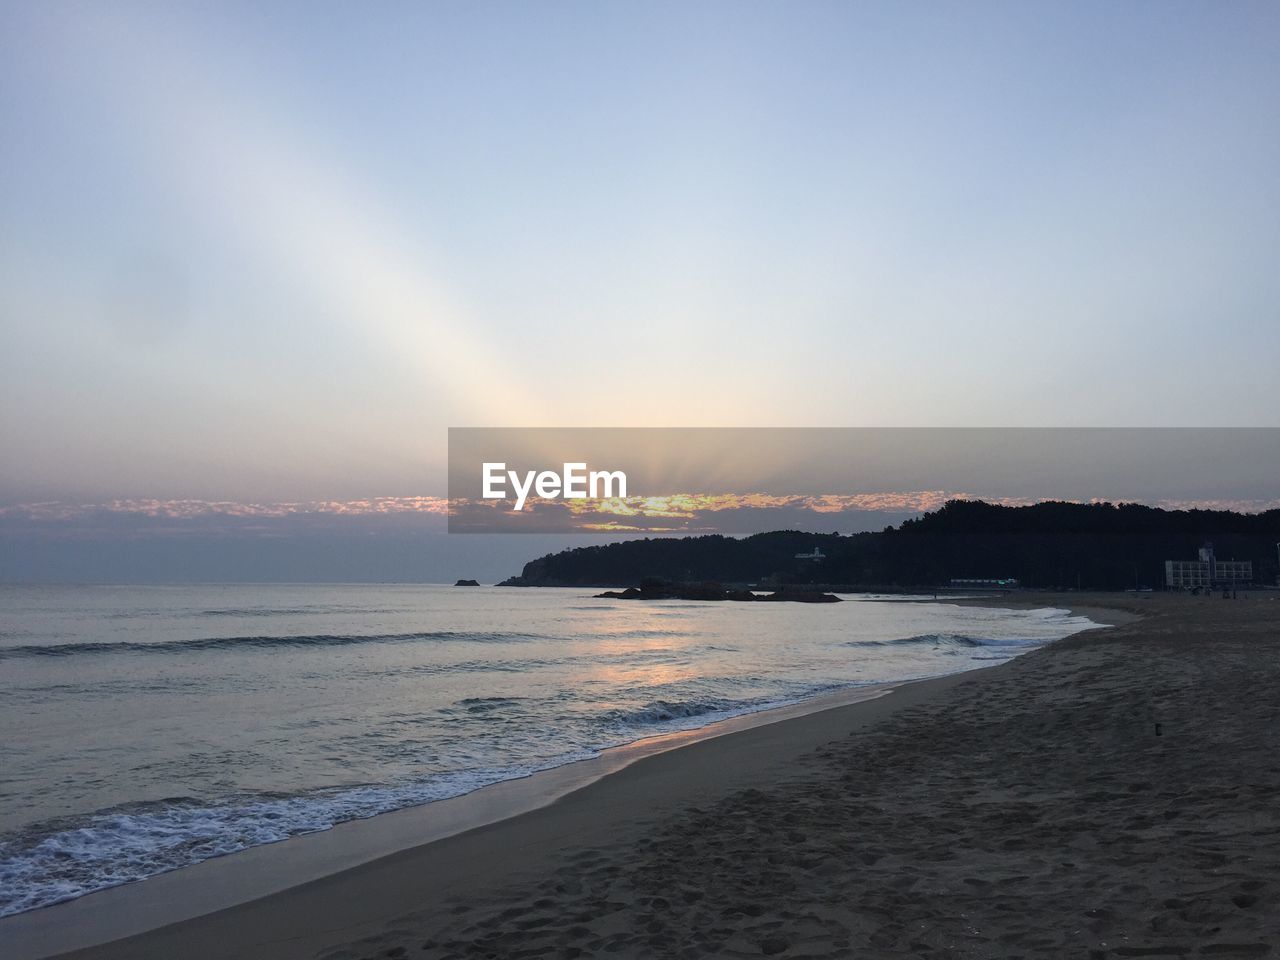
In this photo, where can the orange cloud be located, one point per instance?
(685, 511)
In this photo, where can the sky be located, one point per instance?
(266, 253)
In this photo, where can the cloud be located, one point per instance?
(61, 511)
(127, 519)
(748, 513)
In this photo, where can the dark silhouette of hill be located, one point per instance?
(1048, 545)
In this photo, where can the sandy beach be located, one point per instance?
(1112, 795)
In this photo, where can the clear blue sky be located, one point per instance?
(274, 250)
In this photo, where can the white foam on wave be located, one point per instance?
(114, 847)
(121, 846)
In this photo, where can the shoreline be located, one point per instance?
(219, 883)
(215, 892)
(567, 815)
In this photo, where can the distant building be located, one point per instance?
(986, 583)
(815, 556)
(1207, 572)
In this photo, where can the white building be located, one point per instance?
(1207, 572)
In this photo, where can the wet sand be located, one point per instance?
(1116, 794)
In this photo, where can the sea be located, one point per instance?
(145, 728)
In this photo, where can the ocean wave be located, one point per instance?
(51, 863)
(662, 711)
(257, 643)
(261, 612)
(486, 705)
(664, 714)
(641, 658)
(56, 861)
(454, 738)
(638, 634)
(949, 640)
(137, 613)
